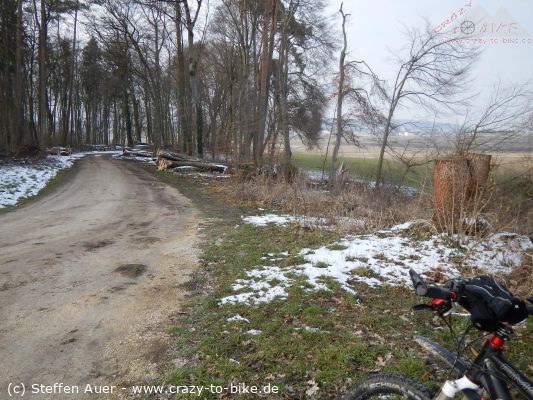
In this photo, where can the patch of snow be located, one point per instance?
(238, 318)
(254, 332)
(402, 227)
(498, 252)
(27, 179)
(375, 259)
(302, 220)
(215, 176)
(148, 160)
(262, 285)
(312, 330)
(185, 168)
(264, 220)
(100, 152)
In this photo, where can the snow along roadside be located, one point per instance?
(27, 178)
(383, 257)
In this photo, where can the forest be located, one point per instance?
(125, 71)
(200, 197)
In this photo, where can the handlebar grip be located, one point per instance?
(438, 292)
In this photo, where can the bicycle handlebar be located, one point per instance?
(441, 292)
(433, 291)
(438, 292)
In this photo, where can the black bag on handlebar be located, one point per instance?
(490, 304)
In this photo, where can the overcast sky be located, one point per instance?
(375, 29)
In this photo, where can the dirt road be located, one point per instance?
(90, 277)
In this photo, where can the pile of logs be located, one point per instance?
(175, 161)
(137, 152)
(59, 151)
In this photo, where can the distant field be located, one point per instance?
(365, 168)
(362, 163)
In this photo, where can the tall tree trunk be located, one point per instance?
(127, 117)
(386, 133)
(19, 84)
(283, 72)
(70, 114)
(340, 99)
(115, 123)
(197, 120)
(106, 121)
(136, 119)
(185, 132)
(43, 103)
(267, 44)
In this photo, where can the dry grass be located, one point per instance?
(377, 208)
(507, 206)
(511, 205)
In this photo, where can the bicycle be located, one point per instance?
(492, 309)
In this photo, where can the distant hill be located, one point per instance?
(409, 126)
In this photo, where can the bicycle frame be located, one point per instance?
(490, 369)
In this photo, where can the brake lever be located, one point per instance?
(441, 307)
(421, 307)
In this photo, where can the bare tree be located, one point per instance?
(433, 72)
(340, 99)
(265, 69)
(504, 117)
(191, 16)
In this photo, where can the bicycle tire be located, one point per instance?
(382, 385)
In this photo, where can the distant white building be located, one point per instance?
(403, 132)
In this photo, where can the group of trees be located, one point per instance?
(235, 78)
(76, 72)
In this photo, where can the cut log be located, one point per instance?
(176, 156)
(480, 164)
(163, 164)
(59, 151)
(137, 153)
(451, 178)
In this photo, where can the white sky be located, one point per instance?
(375, 30)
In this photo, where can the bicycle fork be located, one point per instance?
(450, 388)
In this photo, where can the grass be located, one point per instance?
(330, 338)
(395, 172)
(325, 339)
(365, 168)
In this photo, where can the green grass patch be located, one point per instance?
(336, 247)
(329, 337)
(365, 168)
(364, 272)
